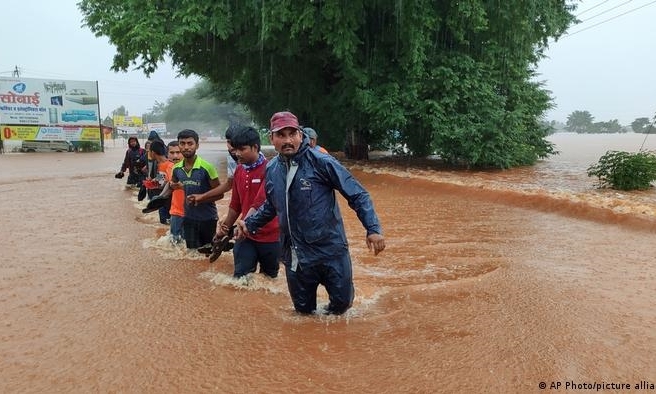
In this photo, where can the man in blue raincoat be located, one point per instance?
(300, 186)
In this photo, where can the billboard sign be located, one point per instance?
(128, 124)
(49, 109)
(159, 128)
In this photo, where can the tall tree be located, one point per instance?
(156, 114)
(580, 122)
(453, 77)
(640, 125)
(120, 111)
(197, 109)
(612, 126)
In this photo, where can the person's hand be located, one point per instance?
(151, 184)
(240, 230)
(175, 185)
(195, 199)
(221, 231)
(376, 242)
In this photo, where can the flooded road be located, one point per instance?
(491, 282)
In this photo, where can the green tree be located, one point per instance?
(198, 109)
(120, 111)
(609, 127)
(580, 122)
(453, 77)
(641, 125)
(156, 114)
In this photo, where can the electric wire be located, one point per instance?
(606, 11)
(610, 19)
(591, 8)
(651, 126)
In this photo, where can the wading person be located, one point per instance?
(264, 246)
(312, 135)
(161, 175)
(300, 186)
(195, 176)
(231, 165)
(134, 162)
(177, 197)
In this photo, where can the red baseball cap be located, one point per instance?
(282, 120)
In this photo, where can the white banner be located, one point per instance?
(48, 102)
(159, 128)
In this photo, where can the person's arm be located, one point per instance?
(167, 190)
(359, 200)
(214, 194)
(175, 183)
(260, 198)
(219, 192)
(126, 162)
(224, 227)
(234, 210)
(255, 220)
(355, 194)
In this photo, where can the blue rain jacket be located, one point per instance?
(313, 226)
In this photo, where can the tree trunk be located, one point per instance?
(356, 147)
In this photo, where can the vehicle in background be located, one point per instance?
(47, 146)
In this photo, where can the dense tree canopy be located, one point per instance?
(451, 77)
(197, 110)
(641, 125)
(610, 127)
(580, 122)
(583, 122)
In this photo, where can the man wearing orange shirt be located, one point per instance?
(177, 198)
(162, 177)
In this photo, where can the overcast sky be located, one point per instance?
(608, 69)
(44, 38)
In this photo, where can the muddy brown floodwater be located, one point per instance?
(491, 282)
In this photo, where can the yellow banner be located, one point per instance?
(127, 121)
(42, 133)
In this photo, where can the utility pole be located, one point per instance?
(16, 73)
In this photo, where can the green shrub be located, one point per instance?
(624, 170)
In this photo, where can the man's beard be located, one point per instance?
(288, 155)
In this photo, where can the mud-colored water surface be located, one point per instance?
(492, 281)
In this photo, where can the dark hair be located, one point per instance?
(245, 136)
(231, 130)
(158, 147)
(136, 139)
(154, 136)
(173, 143)
(187, 133)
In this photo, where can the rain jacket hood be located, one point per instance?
(153, 136)
(137, 146)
